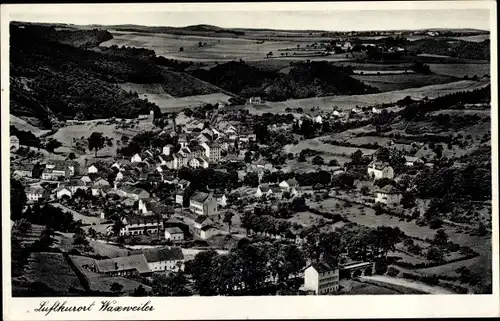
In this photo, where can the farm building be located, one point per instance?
(378, 170)
(321, 278)
(174, 234)
(388, 195)
(163, 259)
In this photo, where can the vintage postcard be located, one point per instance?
(249, 160)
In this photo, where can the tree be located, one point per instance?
(71, 156)
(139, 291)
(116, 288)
(52, 144)
(383, 154)
(357, 158)
(317, 160)
(333, 162)
(181, 49)
(408, 200)
(434, 254)
(92, 233)
(96, 142)
(228, 218)
(440, 238)
(18, 199)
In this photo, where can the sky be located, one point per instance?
(331, 18)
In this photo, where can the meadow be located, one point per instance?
(345, 102)
(460, 70)
(391, 82)
(213, 48)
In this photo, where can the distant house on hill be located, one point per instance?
(255, 100)
(388, 195)
(378, 170)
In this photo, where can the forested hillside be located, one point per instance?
(52, 79)
(304, 80)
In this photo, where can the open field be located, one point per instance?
(155, 94)
(53, 271)
(307, 219)
(327, 149)
(389, 82)
(65, 243)
(213, 48)
(22, 124)
(352, 287)
(373, 67)
(348, 102)
(461, 70)
(169, 104)
(476, 38)
(66, 135)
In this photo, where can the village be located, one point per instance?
(195, 185)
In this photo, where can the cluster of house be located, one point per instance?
(337, 115)
(290, 186)
(140, 263)
(198, 148)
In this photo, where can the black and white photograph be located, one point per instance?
(201, 153)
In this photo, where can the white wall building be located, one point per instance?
(321, 278)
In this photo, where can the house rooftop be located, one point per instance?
(174, 230)
(124, 263)
(163, 254)
(389, 189)
(201, 219)
(322, 267)
(200, 197)
(378, 165)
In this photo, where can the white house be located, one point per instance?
(318, 119)
(269, 191)
(194, 163)
(92, 169)
(255, 100)
(61, 191)
(412, 161)
(376, 110)
(164, 259)
(378, 170)
(23, 170)
(34, 194)
(221, 199)
(202, 221)
(207, 232)
(321, 278)
(168, 149)
(179, 199)
(388, 195)
(174, 234)
(203, 203)
(288, 184)
(136, 158)
(137, 225)
(14, 143)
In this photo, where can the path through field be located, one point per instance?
(407, 283)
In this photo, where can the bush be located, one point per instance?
(392, 271)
